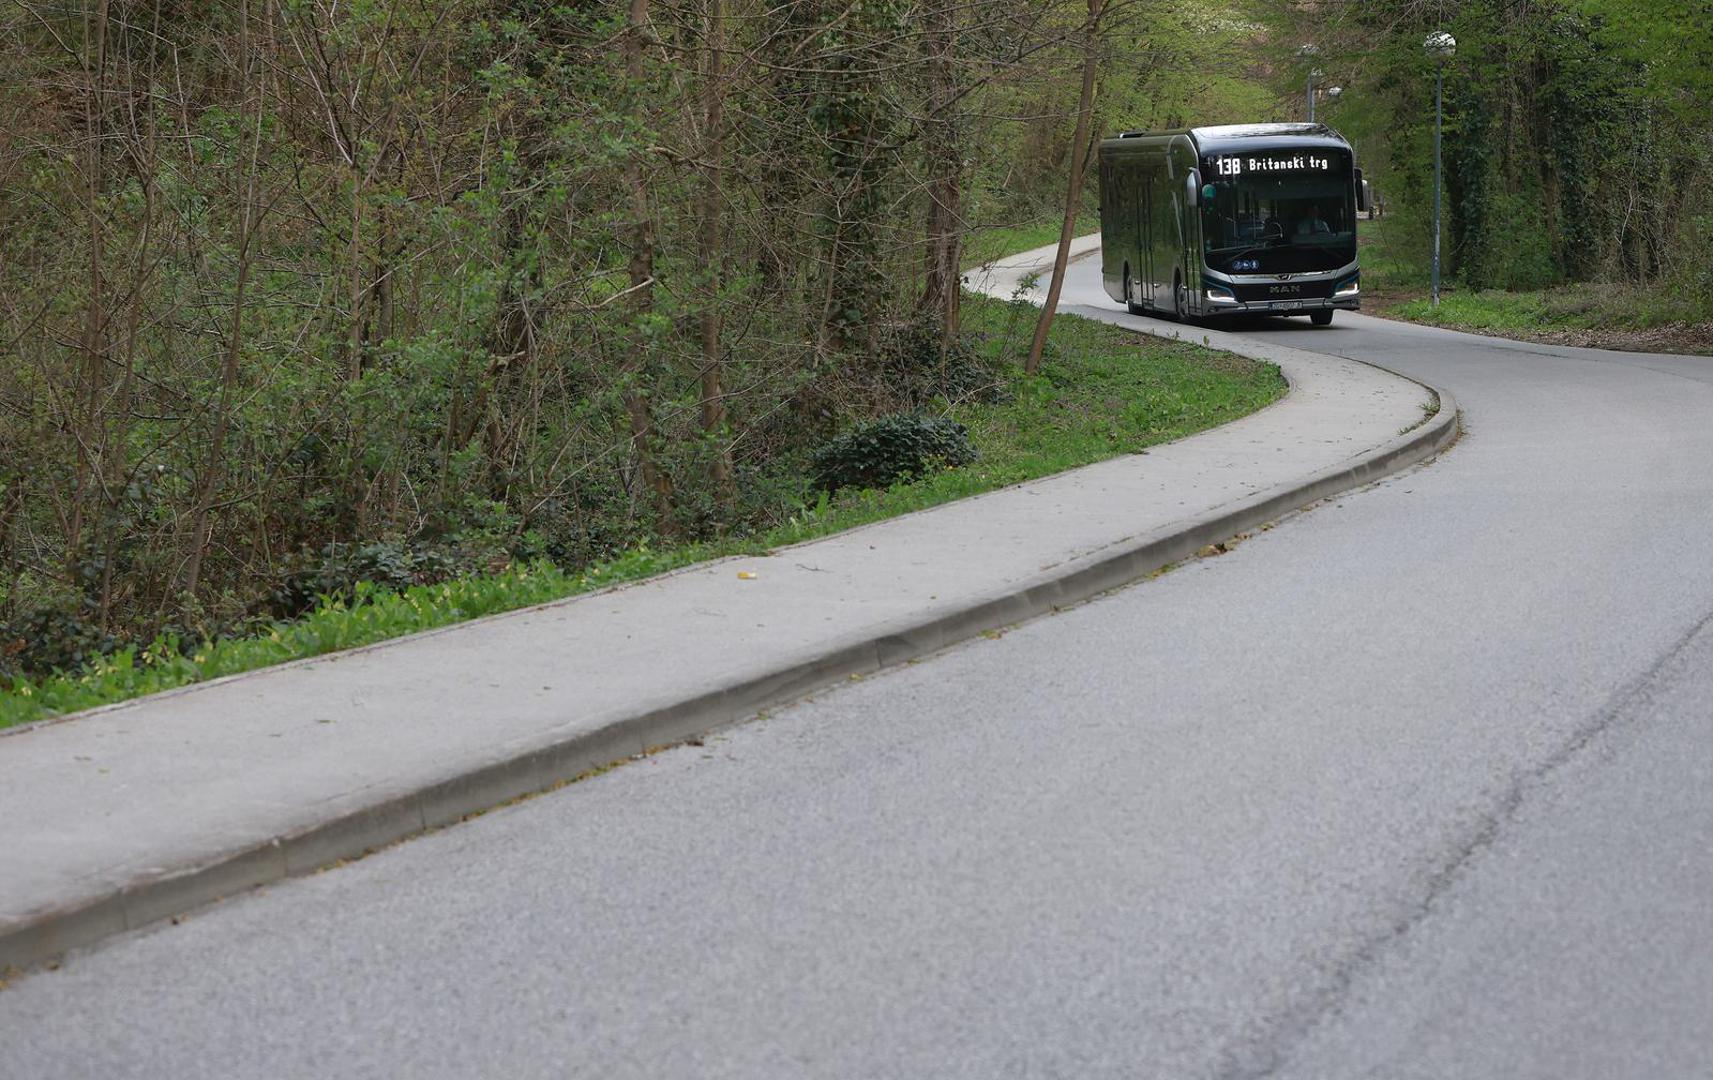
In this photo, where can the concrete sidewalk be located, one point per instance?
(120, 817)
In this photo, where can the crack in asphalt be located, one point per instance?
(1270, 1050)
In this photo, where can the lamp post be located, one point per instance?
(1440, 47)
(1307, 54)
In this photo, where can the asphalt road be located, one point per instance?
(1418, 783)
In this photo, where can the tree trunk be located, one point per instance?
(146, 156)
(249, 217)
(713, 354)
(354, 272)
(641, 301)
(943, 146)
(1073, 187)
(87, 417)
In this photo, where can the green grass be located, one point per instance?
(997, 241)
(1568, 307)
(1396, 266)
(1390, 261)
(1102, 392)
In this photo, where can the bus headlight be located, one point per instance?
(1350, 286)
(1219, 294)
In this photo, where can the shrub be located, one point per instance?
(335, 571)
(914, 366)
(50, 638)
(882, 452)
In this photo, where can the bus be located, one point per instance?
(1204, 223)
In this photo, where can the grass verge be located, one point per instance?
(1395, 277)
(1568, 307)
(1102, 392)
(997, 241)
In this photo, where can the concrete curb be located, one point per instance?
(49, 932)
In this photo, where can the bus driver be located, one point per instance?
(1314, 223)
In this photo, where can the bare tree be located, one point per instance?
(713, 404)
(1073, 185)
(246, 221)
(88, 431)
(944, 153)
(641, 306)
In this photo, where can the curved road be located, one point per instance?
(1418, 783)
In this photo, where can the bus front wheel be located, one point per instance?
(1321, 318)
(1180, 299)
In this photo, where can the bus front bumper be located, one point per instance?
(1280, 307)
(1220, 298)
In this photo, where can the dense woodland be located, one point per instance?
(295, 292)
(1578, 134)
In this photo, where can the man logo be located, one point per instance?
(1284, 288)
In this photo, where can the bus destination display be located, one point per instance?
(1247, 164)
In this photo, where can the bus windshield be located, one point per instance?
(1288, 225)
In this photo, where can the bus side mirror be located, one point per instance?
(1192, 184)
(1361, 193)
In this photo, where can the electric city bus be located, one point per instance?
(1247, 219)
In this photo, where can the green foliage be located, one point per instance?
(443, 348)
(1104, 392)
(919, 364)
(1394, 255)
(338, 570)
(1568, 153)
(1576, 307)
(1184, 63)
(1169, 63)
(1101, 391)
(883, 452)
(369, 615)
(1509, 246)
(50, 638)
(1009, 238)
(1671, 40)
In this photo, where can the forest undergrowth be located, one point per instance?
(1102, 392)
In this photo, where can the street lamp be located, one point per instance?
(1440, 47)
(1307, 54)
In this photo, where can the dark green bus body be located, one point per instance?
(1213, 221)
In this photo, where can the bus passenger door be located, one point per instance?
(1144, 271)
